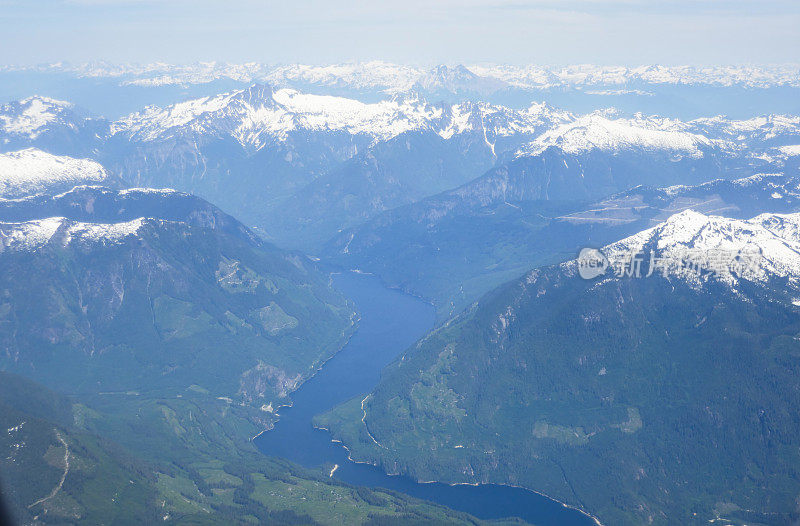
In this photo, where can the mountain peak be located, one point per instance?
(699, 247)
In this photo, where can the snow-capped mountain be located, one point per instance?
(252, 149)
(697, 247)
(458, 81)
(604, 150)
(260, 115)
(32, 116)
(54, 125)
(104, 205)
(32, 171)
(607, 130)
(614, 135)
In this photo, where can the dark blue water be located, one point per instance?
(390, 322)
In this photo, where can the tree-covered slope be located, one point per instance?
(131, 460)
(151, 303)
(54, 473)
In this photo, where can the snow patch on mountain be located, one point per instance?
(30, 235)
(792, 150)
(102, 232)
(382, 120)
(33, 235)
(33, 171)
(148, 191)
(598, 132)
(29, 117)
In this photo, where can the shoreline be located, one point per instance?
(453, 484)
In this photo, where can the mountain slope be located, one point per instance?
(191, 298)
(665, 398)
(52, 125)
(59, 466)
(33, 171)
(54, 473)
(177, 331)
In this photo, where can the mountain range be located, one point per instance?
(399, 77)
(265, 154)
(165, 284)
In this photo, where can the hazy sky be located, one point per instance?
(413, 31)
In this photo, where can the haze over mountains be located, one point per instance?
(166, 287)
(399, 77)
(678, 91)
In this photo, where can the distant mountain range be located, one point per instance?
(266, 154)
(686, 92)
(666, 395)
(392, 78)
